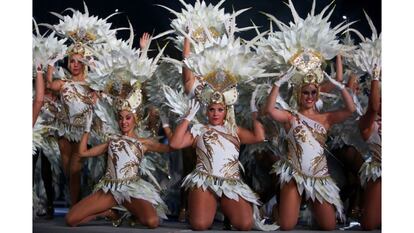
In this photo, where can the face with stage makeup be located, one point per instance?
(216, 113)
(75, 64)
(308, 96)
(127, 121)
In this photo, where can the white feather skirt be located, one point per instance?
(137, 188)
(369, 171)
(231, 188)
(321, 189)
(71, 132)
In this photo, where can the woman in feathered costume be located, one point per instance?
(45, 109)
(119, 73)
(304, 45)
(86, 33)
(201, 24)
(217, 175)
(370, 172)
(122, 183)
(367, 60)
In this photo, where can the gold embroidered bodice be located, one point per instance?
(306, 139)
(218, 152)
(124, 157)
(76, 99)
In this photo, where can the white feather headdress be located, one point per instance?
(305, 43)
(368, 54)
(229, 56)
(46, 48)
(83, 29)
(120, 72)
(220, 68)
(202, 23)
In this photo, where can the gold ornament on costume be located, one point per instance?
(132, 101)
(80, 35)
(118, 88)
(220, 80)
(308, 62)
(79, 48)
(217, 98)
(200, 35)
(219, 87)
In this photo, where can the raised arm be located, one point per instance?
(50, 84)
(328, 86)
(39, 94)
(188, 76)
(278, 114)
(182, 137)
(83, 145)
(340, 115)
(258, 134)
(143, 40)
(166, 126)
(367, 120)
(154, 146)
(248, 137)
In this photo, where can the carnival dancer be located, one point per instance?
(122, 183)
(303, 171)
(86, 34)
(217, 175)
(119, 74)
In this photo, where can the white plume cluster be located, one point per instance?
(314, 33)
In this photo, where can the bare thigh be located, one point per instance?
(371, 215)
(325, 215)
(289, 206)
(65, 149)
(144, 211)
(202, 208)
(89, 207)
(75, 167)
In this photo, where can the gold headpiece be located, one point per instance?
(200, 35)
(132, 100)
(309, 64)
(79, 48)
(82, 36)
(219, 88)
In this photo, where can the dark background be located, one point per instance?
(145, 16)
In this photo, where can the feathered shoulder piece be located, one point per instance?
(368, 54)
(46, 48)
(305, 43)
(83, 29)
(201, 23)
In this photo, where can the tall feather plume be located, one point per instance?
(204, 22)
(314, 32)
(368, 53)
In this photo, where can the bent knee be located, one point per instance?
(152, 222)
(287, 224)
(199, 224)
(328, 227)
(245, 225)
(327, 224)
(368, 225)
(70, 220)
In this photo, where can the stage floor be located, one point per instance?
(57, 225)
